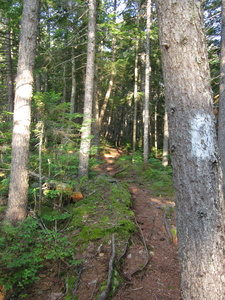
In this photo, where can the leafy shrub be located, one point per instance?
(25, 249)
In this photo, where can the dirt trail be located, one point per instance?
(159, 280)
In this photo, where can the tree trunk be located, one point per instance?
(136, 85)
(9, 72)
(113, 72)
(89, 93)
(165, 141)
(196, 166)
(18, 187)
(147, 86)
(74, 84)
(221, 119)
(156, 129)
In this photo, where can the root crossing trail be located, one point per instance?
(150, 267)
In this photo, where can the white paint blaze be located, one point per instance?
(202, 144)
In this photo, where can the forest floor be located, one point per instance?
(159, 280)
(149, 263)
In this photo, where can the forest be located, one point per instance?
(112, 148)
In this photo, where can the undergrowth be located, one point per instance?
(156, 177)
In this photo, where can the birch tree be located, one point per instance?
(18, 187)
(89, 93)
(147, 86)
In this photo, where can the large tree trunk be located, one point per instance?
(147, 86)
(221, 121)
(18, 187)
(194, 154)
(89, 93)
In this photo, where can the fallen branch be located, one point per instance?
(77, 282)
(167, 227)
(32, 174)
(120, 171)
(105, 293)
(146, 249)
(124, 252)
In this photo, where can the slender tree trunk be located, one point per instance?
(113, 72)
(193, 148)
(74, 84)
(221, 119)
(96, 125)
(64, 84)
(136, 86)
(156, 129)
(9, 72)
(147, 86)
(135, 97)
(165, 141)
(18, 186)
(89, 93)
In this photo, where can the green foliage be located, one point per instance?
(25, 249)
(105, 211)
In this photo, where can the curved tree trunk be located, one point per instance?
(18, 187)
(193, 149)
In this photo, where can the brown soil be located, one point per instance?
(148, 266)
(159, 280)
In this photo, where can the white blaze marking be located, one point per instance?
(202, 144)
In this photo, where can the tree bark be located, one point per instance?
(193, 148)
(221, 117)
(147, 86)
(89, 94)
(18, 187)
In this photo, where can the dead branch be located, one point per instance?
(124, 252)
(146, 249)
(105, 293)
(77, 282)
(167, 227)
(32, 174)
(120, 171)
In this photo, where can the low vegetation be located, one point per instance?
(60, 228)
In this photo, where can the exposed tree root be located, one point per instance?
(105, 293)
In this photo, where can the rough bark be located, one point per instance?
(18, 187)
(193, 147)
(89, 93)
(221, 118)
(147, 86)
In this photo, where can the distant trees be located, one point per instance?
(18, 188)
(193, 147)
